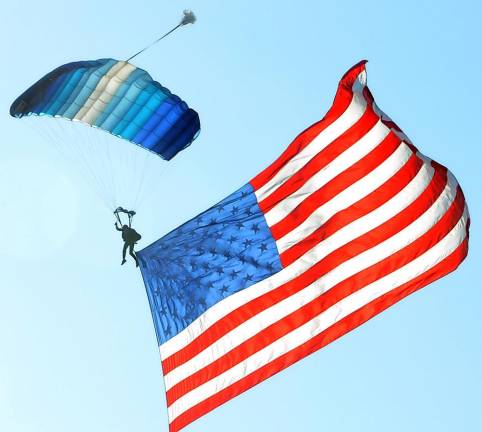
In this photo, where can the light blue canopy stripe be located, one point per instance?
(132, 119)
(147, 113)
(69, 89)
(129, 127)
(71, 107)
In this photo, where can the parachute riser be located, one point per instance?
(118, 218)
(130, 215)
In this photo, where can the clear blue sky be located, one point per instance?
(78, 351)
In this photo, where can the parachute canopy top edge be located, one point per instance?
(116, 97)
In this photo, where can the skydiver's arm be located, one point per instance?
(117, 228)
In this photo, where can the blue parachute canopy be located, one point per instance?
(117, 97)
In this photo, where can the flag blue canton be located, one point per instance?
(218, 253)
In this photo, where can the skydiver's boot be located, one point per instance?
(124, 250)
(135, 259)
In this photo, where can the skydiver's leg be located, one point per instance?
(133, 254)
(124, 250)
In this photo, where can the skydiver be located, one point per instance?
(130, 237)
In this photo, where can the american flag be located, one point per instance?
(349, 220)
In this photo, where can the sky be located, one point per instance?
(78, 350)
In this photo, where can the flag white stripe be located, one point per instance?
(340, 164)
(353, 113)
(343, 236)
(325, 320)
(254, 325)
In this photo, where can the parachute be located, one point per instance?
(111, 96)
(117, 97)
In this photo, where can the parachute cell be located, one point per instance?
(117, 97)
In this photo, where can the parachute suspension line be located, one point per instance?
(149, 193)
(89, 165)
(76, 144)
(111, 170)
(124, 171)
(51, 136)
(102, 149)
(118, 218)
(142, 169)
(85, 148)
(188, 18)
